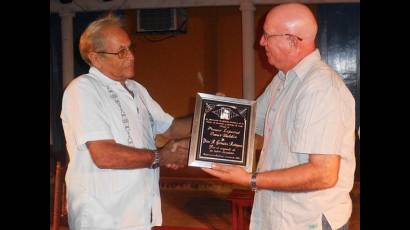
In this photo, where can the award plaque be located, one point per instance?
(223, 131)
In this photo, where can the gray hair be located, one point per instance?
(92, 38)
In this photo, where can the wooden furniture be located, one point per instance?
(241, 200)
(59, 216)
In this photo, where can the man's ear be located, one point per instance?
(94, 59)
(293, 41)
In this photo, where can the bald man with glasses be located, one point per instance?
(306, 116)
(110, 123)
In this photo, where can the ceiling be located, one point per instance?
(100, 5)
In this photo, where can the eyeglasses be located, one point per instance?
(267, 36)
(122, 53)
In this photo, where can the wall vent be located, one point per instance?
(162, 20)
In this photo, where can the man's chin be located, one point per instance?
(271, 62)
(130, 74)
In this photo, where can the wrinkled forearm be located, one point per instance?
(314, 175)
(107, 154)
(180, 128)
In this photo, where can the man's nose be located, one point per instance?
(130, 55)
(262, 41)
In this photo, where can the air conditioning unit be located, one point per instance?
(161, 20)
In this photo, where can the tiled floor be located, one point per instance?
(208, 208)
(213, 211)
(196, 209)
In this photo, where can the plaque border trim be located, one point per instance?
(193, 148)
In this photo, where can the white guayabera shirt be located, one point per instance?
(96, 107)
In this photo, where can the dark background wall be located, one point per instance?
(56, 89)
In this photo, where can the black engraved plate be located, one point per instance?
(222, 132)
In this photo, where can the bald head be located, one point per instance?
(293, 18)
(289, 35)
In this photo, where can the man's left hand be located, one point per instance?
(230, 174)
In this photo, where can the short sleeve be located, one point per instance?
(82, 113)
(318, 125)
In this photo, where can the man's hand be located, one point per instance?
(230, 174)
(175, 154)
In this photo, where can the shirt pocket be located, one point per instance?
(96, 216)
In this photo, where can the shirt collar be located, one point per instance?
(281, 75)
(104, 79)
(302, 67)
(306, 63)
(101, 77)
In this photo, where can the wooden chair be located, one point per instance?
(59, 216)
